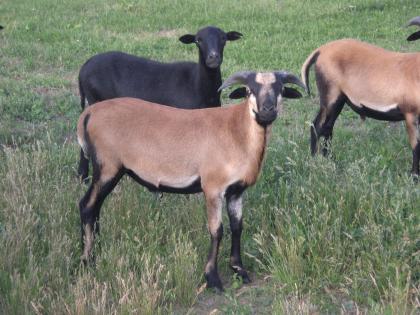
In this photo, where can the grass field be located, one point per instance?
(339, 235)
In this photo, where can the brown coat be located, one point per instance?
(170, 147)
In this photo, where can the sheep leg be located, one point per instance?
(412, 123)
(314, 134)
(315, 131)
(234, 208)
(323, 125)
(331, 103)
(214, 217)
(327, 128)
(319, 120)
(416, 156)
(103, 182)
(83, 170)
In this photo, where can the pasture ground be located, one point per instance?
(338, 235)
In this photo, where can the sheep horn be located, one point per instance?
(414, 21)
(286, 77)
(238, 77)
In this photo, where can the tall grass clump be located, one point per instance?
(146, 271)
(342, 231)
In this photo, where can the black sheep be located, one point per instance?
(186, 85)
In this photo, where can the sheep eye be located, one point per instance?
(198, 40)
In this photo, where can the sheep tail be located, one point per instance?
(306, 67)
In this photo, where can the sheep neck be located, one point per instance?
(209, 80)
(258, 137)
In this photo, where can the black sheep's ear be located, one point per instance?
(1, 27)
(187, 39)
(414, 36)
(291, 93)
(238, 93)
(233, 35)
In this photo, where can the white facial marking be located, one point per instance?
(265, 78)
(252, 105)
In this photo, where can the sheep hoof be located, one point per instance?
(241, 272)
(84, 179)
(213, 282)
(245, 277)
(87, 261)
(84, 261)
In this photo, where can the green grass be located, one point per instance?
(331, 235)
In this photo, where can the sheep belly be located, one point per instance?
(188, 185)
(387, 112)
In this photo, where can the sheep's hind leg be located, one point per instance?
(331, 102)
(83, 170)
(412, 125)
(234, 209)
(103, 182)
(315, 131)
(327, 128)
(323, 126)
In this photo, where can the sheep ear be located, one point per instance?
(187, 39)
(238, 93)
(1, 27)
(414, 36)
(233, 35)
(291, 93)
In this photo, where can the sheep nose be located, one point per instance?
(267, 107)
(213, 55)
(213, 59)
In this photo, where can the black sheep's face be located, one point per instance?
(211, 41)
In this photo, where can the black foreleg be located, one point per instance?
(234, 208)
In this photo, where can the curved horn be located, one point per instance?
(286, 77)
(414, 21)
(238, 77)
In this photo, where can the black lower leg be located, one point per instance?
(416, 157)
(315, 134)
(84, 212)
(83, 170)
(90, 206)
(327, 128)
(235, 251)
(211, 274)
(234, 208)
(326, 144)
